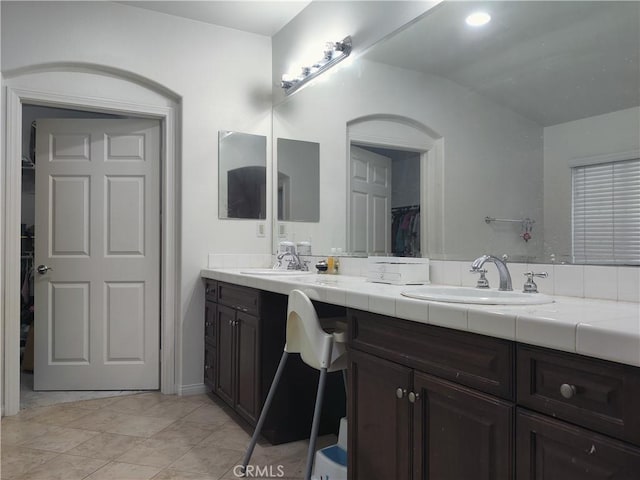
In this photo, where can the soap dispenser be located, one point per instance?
(331, 261)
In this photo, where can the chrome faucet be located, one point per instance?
(294, 262)
(503, 271)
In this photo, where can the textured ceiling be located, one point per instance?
(550, 61)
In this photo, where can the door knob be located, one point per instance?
(42, 269)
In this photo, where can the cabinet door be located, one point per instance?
(379, 424)
(209, 366)
(210, 322)
(248, 378)
(550, 449)
(460, 433)
(225, 354)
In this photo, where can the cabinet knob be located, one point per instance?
(207, 367)
(208, 324)
(567, 390)
(413, 397)
(230, 322)
(400, 392)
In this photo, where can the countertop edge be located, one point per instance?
(604, 329)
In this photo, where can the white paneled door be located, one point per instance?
(370, 190)
(97, 254)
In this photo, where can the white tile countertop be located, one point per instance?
(597, 328)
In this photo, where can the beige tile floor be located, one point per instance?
(137, 437)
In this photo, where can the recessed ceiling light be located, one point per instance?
(478, 19)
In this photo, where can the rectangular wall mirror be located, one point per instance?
(298, 181)
(242, 175)
(506, 117)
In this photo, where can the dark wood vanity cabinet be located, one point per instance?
(410, 419)
(236, 362)
(210, 314)
(237, 332)
(431, 403)
(379, 434)
(587, 425)
(244, 339)
(550, 449)
(459, 432)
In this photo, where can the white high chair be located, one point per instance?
(324, 350)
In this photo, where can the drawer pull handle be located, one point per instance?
(400, 392)
(567, 391)
(413, 397)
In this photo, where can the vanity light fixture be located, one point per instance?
(333, 54)
(477, 19)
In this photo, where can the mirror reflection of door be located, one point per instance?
(246, 194)
(385, 201)
(242, 179)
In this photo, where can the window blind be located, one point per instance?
(606, 213)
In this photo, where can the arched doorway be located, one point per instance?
(382, 133)
(121, 92)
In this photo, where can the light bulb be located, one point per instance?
(477, 19)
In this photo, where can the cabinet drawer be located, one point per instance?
(476, 361)
(240, 298)
(596, 394)
(211, 290)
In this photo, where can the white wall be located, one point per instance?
(222, 81)
(610, 133)
(492, 156)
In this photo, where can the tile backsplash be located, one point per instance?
(588, 281)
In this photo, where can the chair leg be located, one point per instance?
(316, 423)
(265, 410)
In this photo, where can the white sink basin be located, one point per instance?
(451, 294)
(272, 272)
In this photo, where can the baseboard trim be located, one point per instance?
(194, 389)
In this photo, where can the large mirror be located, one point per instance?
(505, 118)
(298, 189)
(242, 179)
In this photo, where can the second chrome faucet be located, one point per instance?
(501, 265)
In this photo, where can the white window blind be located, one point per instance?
(606, 213)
